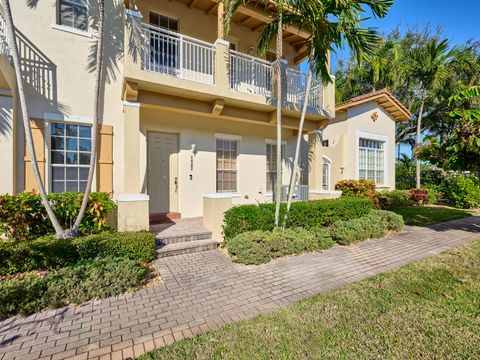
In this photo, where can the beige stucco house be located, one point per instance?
(188, 112)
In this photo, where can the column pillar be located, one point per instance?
(133, 206)
(222, 61)
(7, 144)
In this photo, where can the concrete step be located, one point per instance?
(185, 237)
(186, 247)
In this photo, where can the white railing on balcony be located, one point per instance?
(251, 75)
(4, 47)
(174, 54)
(296, 84)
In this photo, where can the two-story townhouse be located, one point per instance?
(188, 112)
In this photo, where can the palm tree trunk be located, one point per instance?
(278, 65)
(59, 232)
(399, 145)
(419, 140)
(98, 85)
(293, 175)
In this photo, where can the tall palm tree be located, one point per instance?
(427, 68)
(59, 232)
(98, 87)
(276, 28)
(331, 24)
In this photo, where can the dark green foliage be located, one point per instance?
(23, 217)
(394, 199)
(51, 254)
(133, 245)
(258, 247)
(89, 279)
(306, 214)
(375, 225)
(463, 192)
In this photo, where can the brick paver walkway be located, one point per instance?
(204, 291)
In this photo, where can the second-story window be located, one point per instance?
(164, 46)
(73, 13)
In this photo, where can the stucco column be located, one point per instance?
(283, 68)
(222, 59)
(315, 160)
(133, 206)
(7, 145)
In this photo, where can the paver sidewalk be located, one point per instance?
(203, 291)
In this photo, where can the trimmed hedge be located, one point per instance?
(375, 225)
(394, 199)
(23, 216)
(304, 214)
(89, 279)
(52, 254)
(258, 247)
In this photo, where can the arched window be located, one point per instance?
(326, 173)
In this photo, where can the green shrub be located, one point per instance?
(463, 192)
(305, 214)
(258, 247)
(133, 245)
(92, 279)
(375, 225)
(23, 217)
(394, 199)
(52, 254)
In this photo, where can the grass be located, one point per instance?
(428, 215)
(426, 310)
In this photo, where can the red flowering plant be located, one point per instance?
(419, 196)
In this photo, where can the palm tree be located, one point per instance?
(330, 23)
(276, 30)
(98, 86)
(427, 68)
(59, 232)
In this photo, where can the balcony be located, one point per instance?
(189, 67)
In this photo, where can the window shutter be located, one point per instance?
(38, 135)
(105, 159)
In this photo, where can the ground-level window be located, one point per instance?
(371, 162)
(70, 150)
(326, 174)
(271, 153)
(73, 13)
(227, 169)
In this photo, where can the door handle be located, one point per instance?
(176, 184)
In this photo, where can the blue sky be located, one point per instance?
(458, 18)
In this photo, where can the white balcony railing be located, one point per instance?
(4, 47)
(174, 54)
(296, 84)
(251, 75)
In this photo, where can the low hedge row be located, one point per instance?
(375, 225)
(258, 247)
(304, 214)
(51, 254)
(89, 279)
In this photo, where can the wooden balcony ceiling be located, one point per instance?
(255, 18)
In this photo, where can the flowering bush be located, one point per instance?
(419, 196)
(358, 188)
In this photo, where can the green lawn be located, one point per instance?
(426, 310)
(427, 215)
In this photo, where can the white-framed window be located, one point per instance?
(371, 161)
(326, 173)
(227, 165)
(70, 151)
(271, 157)
(73, 13)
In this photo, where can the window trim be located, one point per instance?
(72, 29)
(376, 137)
(228, 137)
(48, 147)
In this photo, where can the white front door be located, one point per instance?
(163, 172)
